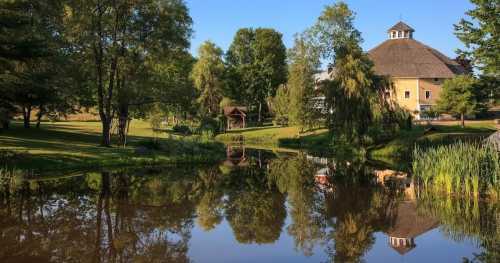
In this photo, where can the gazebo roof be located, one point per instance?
(231, 110)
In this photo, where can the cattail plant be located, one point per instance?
(460, 168)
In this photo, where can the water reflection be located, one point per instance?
(331, 210)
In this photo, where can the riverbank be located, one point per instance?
(436, 133)
(75, 145)
(401, 145)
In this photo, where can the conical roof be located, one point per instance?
(407, 57)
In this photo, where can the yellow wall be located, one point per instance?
(430, 85)
(400, 86)
(410, 84)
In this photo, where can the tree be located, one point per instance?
(281, 105)
(256, 66)
(354, 94)
(481, 36)
(305, 61)
(208, 77)
(459, 97)
(33, 52)
(119, 39)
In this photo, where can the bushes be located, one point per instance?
(460, 168)
(183, 129)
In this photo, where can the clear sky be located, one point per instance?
(218, 20)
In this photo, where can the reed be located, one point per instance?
(460, 168)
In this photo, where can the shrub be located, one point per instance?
(208, 126)
(150, 144)
(183, 129)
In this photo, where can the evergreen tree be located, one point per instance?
(304, 63)
(208, 77)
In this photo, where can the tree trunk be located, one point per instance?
(27, 116)
(122, 124)
(462, 119)
(106, 133)
(39, 117)
(260, 114)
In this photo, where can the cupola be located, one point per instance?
(400, 30)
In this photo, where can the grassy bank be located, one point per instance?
(284, 137)
(422, 135)
(75, 145)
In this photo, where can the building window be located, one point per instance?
(399, 34)
(436, 80)
(407, 94)
(427, 94)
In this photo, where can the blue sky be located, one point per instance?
(218, 20)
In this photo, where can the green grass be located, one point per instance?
(284, 137)
(75, 145)
(403, 144)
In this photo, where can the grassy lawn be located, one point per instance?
(286, 137)
(75, 145)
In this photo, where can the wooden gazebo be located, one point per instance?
(236, 117)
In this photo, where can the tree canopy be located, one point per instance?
(256, 66)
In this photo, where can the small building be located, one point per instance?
(236, 117)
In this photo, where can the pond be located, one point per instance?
(257, 206)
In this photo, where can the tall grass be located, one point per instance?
(460, 168)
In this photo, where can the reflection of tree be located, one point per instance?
(255, 211)
(295, 176)
(210, 207)
(65, 221)
(354, 213)
(463, 218)
(256, 216)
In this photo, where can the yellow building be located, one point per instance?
(417, 71)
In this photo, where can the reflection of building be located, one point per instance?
(321, 178)
(405, 225)
(236, 156)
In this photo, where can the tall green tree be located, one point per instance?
(459, 96)
(119, 39)
(354, 91)
(304, 63)
(256, 65)
(481, 36)
(208, 77)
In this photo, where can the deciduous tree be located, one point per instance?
(459, 96)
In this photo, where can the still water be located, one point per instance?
(257, 206)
